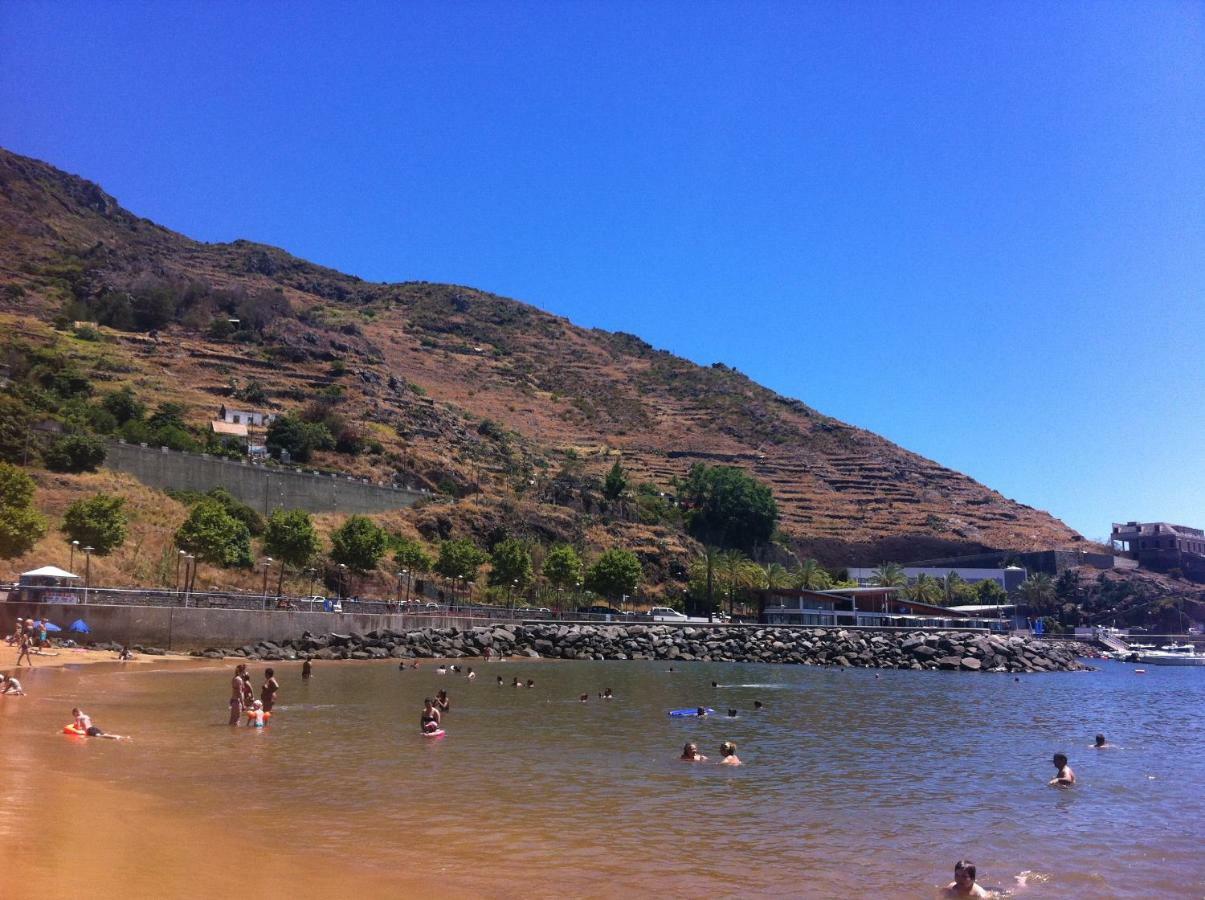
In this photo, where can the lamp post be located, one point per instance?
(342, 581)
(87, 571)
(313, 573)
(74, 547)
(514, 586)
(267, 564)
(190, 561)
(180, 554)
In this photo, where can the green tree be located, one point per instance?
(359, 543)
(615, 483)
(75, 453)
(21, 527)
(615, 573)
(925, 589)
(776, 576)
(99, 521)
(1038, 591)
(214, 536)
(811, 576)
(890, 574)
(728, 507)
(238, 509)
(16, 437)
(291, 538)
(950, 587)
(510, 562)
(460, 558)
(298, 437)
(738, 573)
(124, 405)
(16, 487)
(411, 556)
(563, 567)
(989, 593)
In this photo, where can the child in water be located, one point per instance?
(964, 884)
(1065, 777)
(690, 753)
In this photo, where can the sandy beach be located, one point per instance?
(58, 657)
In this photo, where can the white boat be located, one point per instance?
(1173, 655)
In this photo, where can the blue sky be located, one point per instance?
(977, 229)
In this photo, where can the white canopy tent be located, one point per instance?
(47, 572)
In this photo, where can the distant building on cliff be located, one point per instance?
(233, 416)
(1162, 546)
(1008, 577)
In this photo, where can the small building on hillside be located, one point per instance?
(863, 606)
(250, 417)
(1008, 577)
(228, 429)
(1162, 546)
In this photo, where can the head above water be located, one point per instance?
(1100, 740)
(964, 871)
(1060, 760)
(727, 749)
(757, 704)
(690, 750)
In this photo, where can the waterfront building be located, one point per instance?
(865, 606)
(1162, 546)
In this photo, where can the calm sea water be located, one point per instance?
(853, 785)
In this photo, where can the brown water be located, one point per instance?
(852, 785)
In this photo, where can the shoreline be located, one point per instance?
(64, 657)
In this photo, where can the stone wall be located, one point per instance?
(264, 488)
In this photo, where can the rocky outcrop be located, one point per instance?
(954, 651)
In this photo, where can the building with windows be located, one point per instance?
(245, 417)
(1162, 546)
(865, 606)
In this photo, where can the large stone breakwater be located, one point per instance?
(960, 651)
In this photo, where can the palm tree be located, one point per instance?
(775, 576)
(951, 583)
(924, 590)
(890, 574)
(811, 576)
(1038, 591)
(739, 572)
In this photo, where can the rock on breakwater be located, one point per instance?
(956, 651)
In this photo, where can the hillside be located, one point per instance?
(420, 367)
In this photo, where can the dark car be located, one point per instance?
(599, 610)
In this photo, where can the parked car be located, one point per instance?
(599, 610)
(665, 614)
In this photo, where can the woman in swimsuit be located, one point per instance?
(429, 721)
(268, 694)
(690, 753)
(728, 751)
(441, 702)
(248, 690)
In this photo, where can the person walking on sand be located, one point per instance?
(964, 884)
(728, 752)
(1065, 777)
(26, 648)
(267, 694)
(236, 694)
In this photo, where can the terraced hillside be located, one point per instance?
(460, 390)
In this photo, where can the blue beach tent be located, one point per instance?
(80, 626)
(50, 626)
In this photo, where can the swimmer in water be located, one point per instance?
(584, 698)
(757, 704)
(515, 682)
(1101, 743)
(307, 668)
(470, 674)
(441, 670)
(728, 752)
(441, 702)
(700, 712)
(690, 753)
(714, 685)
(1065, 777)
(267, 694)
(731, 713)
(500, 682)
(84, 723)
(429, 720)
(963, 884)
(530, 683)
(257, 716)
(607, 695)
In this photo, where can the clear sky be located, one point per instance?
(975, 228)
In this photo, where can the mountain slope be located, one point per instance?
(424, 364)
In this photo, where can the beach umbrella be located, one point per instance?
(81, 626)
(50, 626)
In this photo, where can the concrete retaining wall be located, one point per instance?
(175, 628)
(261, 487)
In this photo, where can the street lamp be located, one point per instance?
(267, 563)
(189, 577)
(180, 554)
(74, 547)
(313, 573)
(514, 587)
(342, 581)
(87, 571)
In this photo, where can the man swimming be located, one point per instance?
(964, 884)
(1101, 743)
(1065, 777)
(84, 723)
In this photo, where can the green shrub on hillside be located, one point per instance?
(21, 527)
(99, 522)
(75, 453)
(615, 573)
(359, 543)
(215, 536)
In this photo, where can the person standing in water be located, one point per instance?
(964, 884)
(236, 694)
(728, 754)
(307, 668)
(690, 753)
(429, 720)
(1065, 777)
(267, 694)
(442, 703)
